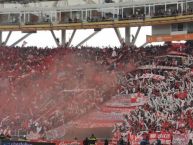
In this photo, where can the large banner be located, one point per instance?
(152, 76)
(122, 110)
(129, 101)
(166, 38)
(112, 112)
(166, 138)
(162, 67)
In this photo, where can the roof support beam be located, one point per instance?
(118, 35)
(7, 38)
(22, 38)
(55, 39)
(1, 36)
(86, 39)
(63, 37)
(127, 35)
(136, 35)
(143, 45)
(71, 38)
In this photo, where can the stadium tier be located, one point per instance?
(91, 95)
(47, 92)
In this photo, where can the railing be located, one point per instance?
(49, 6)
(20, 18)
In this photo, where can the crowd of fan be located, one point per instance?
(170, 99)
(169, 107)
(46, 88)
(37, 89)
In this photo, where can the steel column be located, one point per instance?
(71, 38)
(1, 35)
(118, 35)
(136, 35)
(127, 35)
(63, 37)
(55, 39)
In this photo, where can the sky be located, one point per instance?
(106, 37)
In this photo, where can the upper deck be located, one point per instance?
(88, 14)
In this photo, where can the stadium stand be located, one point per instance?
(38, 86)
(40, 73)
(31, 69)
(145, 92)
(167, 83)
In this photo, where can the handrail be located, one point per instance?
(129, 3)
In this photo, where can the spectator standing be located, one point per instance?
(106, 142)
(190, 142)
(121, 141)
(92, 140)
(158, 142)
(144, 142)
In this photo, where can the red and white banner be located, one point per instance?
(129, 101)
(162, 67)
(166, 138)
(117, 109)
(153, 76)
